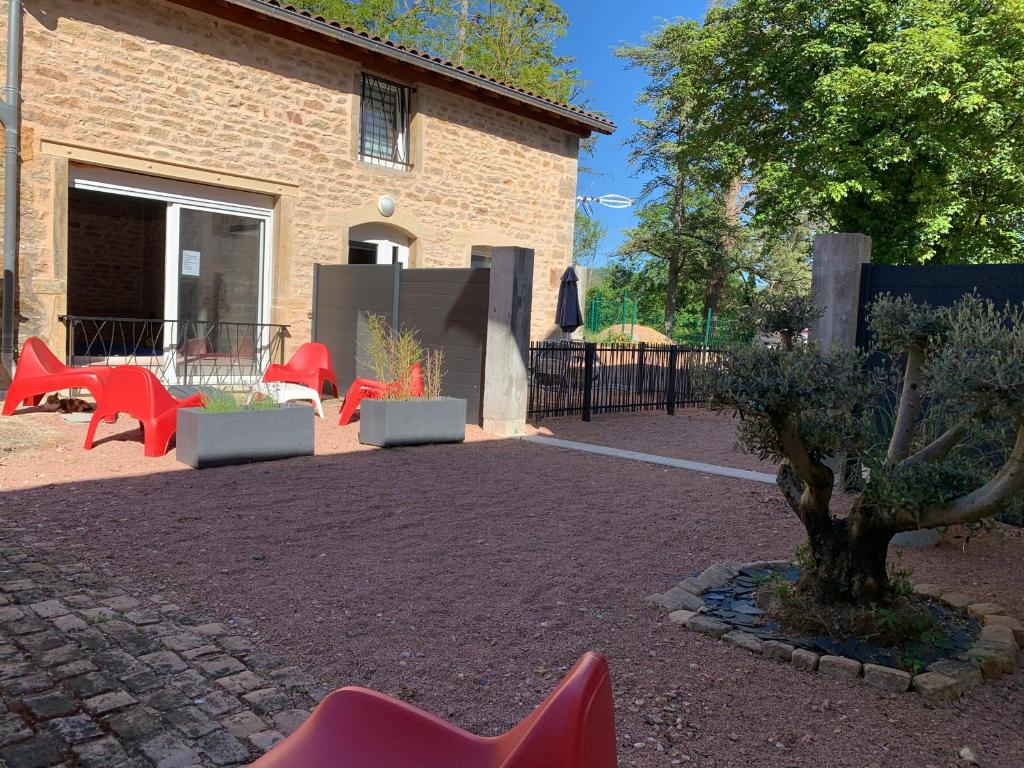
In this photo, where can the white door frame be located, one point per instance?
(172, 273)
(386, 252)
(179, 195)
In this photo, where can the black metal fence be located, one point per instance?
(583, 378)
(212, 353)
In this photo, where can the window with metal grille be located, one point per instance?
(384, 123)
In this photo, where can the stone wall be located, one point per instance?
(155, 81)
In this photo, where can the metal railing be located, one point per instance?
(193, 352)
(583, 378)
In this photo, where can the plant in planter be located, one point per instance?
(223, 431)
(960, 384)
(408, 408)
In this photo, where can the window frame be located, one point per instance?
(398, 118)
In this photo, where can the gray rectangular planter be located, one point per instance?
(208, 439)
(389, 423)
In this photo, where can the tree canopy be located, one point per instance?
(900, 119)
(695, 241)
(510, 40)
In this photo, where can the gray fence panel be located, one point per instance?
(343, 295)
(448, 308)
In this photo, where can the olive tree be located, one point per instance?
(959, 375)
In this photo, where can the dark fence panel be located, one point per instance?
(342, 297)
(938, 285)
(580, 379)
(446, 307)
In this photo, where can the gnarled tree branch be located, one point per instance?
(938, 448)
(792, 487)
(987, 499)
(812, 503)
(911, 406)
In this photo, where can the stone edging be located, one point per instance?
(993, 654)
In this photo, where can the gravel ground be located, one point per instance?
(19, 437)
(467, 578)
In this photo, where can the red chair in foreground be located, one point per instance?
(40, 372)
(309, 366)
(356, 728)
(137, 392)
(369, 389)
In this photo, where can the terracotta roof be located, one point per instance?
(298, 15)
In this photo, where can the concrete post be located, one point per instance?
(835, 286)
(508, 341)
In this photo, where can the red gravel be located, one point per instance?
(469, 577)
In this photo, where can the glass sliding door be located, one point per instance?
(217, 263)
(210, 248)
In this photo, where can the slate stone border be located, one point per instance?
(95, 677)
(993, 654)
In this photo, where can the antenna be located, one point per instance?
(608, 201)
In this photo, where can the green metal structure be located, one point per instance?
(622, 315)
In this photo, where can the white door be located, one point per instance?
(217, 279)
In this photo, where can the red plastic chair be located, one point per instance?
(40, 372)
(370, 389)
(309, 366)
(137, 392)
(356, 728)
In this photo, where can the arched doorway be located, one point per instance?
(377, 243)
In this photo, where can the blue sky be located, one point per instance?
(596, 28)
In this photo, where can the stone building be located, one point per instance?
(196, 159)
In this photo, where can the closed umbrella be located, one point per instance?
(568, 316)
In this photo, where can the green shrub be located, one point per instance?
(392, 353)
(225, 402)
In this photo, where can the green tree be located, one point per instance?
(811, 410)
(587, 235)
(695, 201)
(510, 40)
(901, 119)
(719, 268)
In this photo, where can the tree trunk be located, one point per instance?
(849, 564)
(848, 555)
(671, 289)
(714, 295)
(674, 259)
(460, 49)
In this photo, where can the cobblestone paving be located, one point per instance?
(92, 676)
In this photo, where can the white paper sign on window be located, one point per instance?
(190, 263)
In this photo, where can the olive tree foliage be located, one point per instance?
(960, 380)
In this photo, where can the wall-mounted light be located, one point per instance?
(386, 205)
